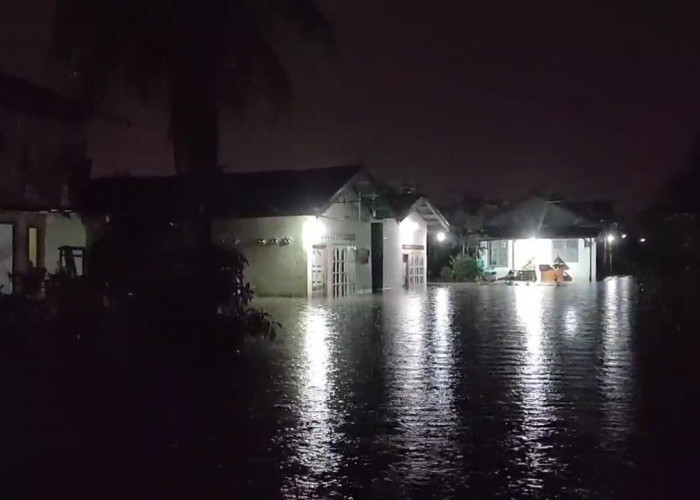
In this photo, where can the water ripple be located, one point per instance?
(494, 391)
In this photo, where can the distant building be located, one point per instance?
(42, 161)
(329, 232)
(547, 240)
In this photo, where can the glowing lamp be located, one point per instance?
(441, 236)
(642, 240)
(610, 238)
(312, 232)
(408, 226)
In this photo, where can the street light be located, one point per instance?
(610, 238)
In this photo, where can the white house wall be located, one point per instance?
(395, 237)
(348, 223)
(274, 270)
(519, 252)
(392, 263)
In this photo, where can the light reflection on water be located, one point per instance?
(491, 390)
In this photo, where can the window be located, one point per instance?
(498, 253)
(33, 245)
(566, 250)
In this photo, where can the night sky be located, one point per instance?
(494, 98)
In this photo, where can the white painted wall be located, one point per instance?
(520, 251)
(273, 270)
(62, 230)
(395, 236)
(501, 272)
(346, 215)
(391, 256)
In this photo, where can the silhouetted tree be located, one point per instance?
(200, 56)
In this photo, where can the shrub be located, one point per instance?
(464, 268)
(446, 274)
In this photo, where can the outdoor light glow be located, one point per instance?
(611, 238)
(642, 240)
(312, 232)
(441, 236)
(407, 228)
(624, 236)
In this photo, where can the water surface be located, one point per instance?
(494, 391)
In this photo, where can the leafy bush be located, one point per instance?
(464, 269)
(446, 274)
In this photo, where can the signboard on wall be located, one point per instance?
(412, 247)
(332, 237)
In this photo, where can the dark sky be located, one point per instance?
(495, 98)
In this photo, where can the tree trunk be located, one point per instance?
(194, 133)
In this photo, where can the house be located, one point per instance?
(42, 162)
(546, 240)
(327, 232)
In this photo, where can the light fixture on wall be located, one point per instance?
(286, 241)
(407, 228)
(440, 236)
(312, 232)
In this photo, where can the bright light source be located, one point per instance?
(441, 236)
(312, 232)
(624, 236)
(408, 225)
(407, 228)
(611, 238)
(642, 240)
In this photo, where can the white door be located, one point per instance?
(416, 269)
(6, 257)
(342, 282)
(318, 272)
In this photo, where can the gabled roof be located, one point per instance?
(389, 203)
(542, 217)
(240, 194)
(405, 204)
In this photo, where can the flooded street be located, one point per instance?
(457, 391)
(495, 391)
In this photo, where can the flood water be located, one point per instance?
(490, 391)
(459, 391)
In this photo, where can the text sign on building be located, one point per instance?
(338, 237)
(412, 247)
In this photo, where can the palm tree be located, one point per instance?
(201, 57)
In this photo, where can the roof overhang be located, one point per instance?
(427, 211)
(522, 233)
